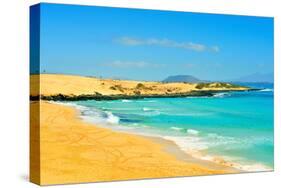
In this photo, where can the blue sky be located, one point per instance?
(151, 45)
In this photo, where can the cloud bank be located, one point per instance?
(130, 41)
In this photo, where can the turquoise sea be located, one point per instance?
(236, 126)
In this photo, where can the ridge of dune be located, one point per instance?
(72, 85)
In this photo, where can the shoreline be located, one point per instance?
(194, 156)
(173, 148)
(62, 97)
(75, 151)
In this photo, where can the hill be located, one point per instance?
(182, 78)
(256, 77)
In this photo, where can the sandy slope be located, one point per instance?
(53, 84)
(73, 151)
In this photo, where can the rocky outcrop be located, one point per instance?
(97, 96)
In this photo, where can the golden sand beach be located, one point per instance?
(64, 149)
(73, 151)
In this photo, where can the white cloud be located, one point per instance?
(215, 48)
(131, 64)
(130, 41)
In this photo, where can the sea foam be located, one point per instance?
(112, 118)
(93, 115)
(192, 132)
(267, 90)
(176, 128)
(125, 100)
(221, 95)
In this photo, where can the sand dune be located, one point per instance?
(54, 84)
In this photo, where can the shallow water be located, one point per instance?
(236, 126)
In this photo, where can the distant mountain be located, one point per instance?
(256, 77)
(182, 78)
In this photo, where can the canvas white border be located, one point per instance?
(15, 93)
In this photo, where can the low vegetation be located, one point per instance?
(137, 92)
(202, 85)
(140, 86)
(117, 87)
(216, 85)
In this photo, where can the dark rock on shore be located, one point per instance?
(98, 96)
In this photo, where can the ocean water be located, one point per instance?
(237, 126)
